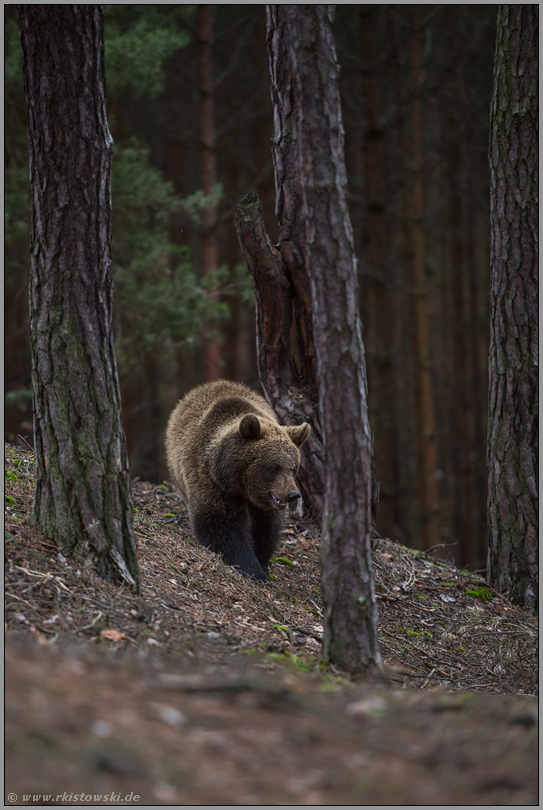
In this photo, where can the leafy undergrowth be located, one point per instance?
(210, 689)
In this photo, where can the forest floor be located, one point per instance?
(209, 689)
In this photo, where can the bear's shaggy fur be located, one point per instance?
(235, 466)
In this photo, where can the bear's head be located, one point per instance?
(271, 459)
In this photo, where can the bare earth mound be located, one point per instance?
(210, 689)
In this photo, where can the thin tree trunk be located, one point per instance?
(350, 614)
(210, 248)
(479, 387)
(464, 486)
(424, 403)
(513, 355)
(82, 497)
(403, 315)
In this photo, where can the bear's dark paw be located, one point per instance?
(262, 578)
(259, 575)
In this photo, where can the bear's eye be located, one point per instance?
(276, 467)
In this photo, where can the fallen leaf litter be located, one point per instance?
(437, 625)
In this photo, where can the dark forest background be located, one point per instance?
(416, 84)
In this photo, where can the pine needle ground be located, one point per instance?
(202, 643)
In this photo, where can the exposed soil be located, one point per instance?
(210, 689)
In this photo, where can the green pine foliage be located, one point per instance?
(159, 303)
(16, 227)
(16, 211)
(137, 40)
(162, 305)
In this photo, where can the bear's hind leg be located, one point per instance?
(226, 531)
(266, 531)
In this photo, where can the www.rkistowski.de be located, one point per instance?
(76, 797)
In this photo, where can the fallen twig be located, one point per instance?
(428, 678)
(27, 444)
(91, 625)
(47, 575)
(20, 599)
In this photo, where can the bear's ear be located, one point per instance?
(249, 427)
(299, 433)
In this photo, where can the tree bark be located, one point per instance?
(513, 355)
(403, 305)
(317, 138)
(424, 400)
(209, 221)
(464, 490)
(285, 388)
(82, 497)
(288, 202)
(285, 345)
(479, 388)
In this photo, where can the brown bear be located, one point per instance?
(235, 466)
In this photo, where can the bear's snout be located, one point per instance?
(293, 496)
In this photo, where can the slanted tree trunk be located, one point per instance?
(210, 248)
(288, 392)
(513, 355)
(288, 201)
(82, 498)
(316, 137)
(285, 345)
(424, 400)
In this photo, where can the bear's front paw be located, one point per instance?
(265, 580)
(260, 577)
(256, 574)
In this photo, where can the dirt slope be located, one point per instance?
(209, 689)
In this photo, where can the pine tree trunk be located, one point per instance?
(285, 342)
(403, 307)
(285, 346)
(288, 203)
(350, 612)
(479, 387)
(210, 248)
(513, 355)
(82, 497)
(379, 334)
(460, 448)
(424, 399)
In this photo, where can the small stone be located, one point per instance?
(169, 714)
(165, 793)
(102, 728)
(374, 706)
